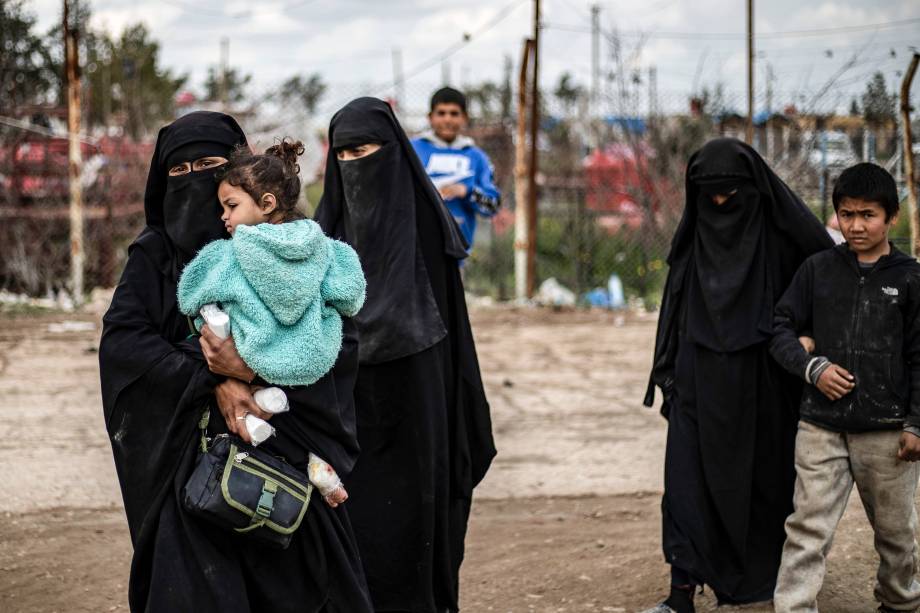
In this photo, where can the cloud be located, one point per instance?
(350, 43)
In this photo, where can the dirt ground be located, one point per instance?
(566, 521)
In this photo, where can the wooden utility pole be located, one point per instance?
(749, 132)
(75, 158)
(522, 182)
(399, 93)
(595, 58)
(534, 136)
(911, 179)
(224, 73)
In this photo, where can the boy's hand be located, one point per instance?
(909, 447)
(835, 382)
(808, 344)
(454, 190)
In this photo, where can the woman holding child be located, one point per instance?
(731, 410)
(157, 377)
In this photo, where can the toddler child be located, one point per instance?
(283, 284)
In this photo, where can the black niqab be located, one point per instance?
(731, 410)
(777, 239)
(155, 384)
(185, 207)
(423, 419)
(191, 211)
(727, 294)
(371, 203)
(193, 133)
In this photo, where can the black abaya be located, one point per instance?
(155, 386)
(729, 459)
(423, 419)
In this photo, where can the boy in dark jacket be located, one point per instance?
(860, 415)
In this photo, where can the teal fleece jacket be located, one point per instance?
(286, 288)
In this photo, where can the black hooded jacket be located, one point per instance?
(868, 323)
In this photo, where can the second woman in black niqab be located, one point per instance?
(423, 420)
(155, 383)
(731, 410)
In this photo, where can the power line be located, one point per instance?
(741, 35)
(196, 10)
(245, 14)
(468, 37)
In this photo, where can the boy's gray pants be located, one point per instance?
(827, 464)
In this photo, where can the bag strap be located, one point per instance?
(203, 427)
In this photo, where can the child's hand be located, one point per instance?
(808, 344)
(909, 447)
(454, 190)
(336, 497)
(835, 382)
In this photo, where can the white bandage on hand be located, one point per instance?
(322, 475)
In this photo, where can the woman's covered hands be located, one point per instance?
(222, 356)
(235, 401)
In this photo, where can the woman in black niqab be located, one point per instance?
(731, 410)
(423, 419)
(155, 384)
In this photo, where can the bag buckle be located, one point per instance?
(267, 500)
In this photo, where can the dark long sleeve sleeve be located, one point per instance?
(792, 316)
(155, 383)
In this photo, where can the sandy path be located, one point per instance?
(566, 520)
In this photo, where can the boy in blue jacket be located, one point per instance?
(857, 307)
(459, 169)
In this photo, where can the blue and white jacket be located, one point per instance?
(461, 162)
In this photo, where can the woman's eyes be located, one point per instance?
(180, 169)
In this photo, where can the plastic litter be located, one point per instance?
(553, 293)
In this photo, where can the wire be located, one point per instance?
(421, 67)
(30, 127)
(203, 11)
(467, 39)
(742, 35)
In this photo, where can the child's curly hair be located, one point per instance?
(275, 171)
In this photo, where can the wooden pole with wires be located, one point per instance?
(749, 131)
(910, 176)
(522, 182)
(534, 158)
(75, 158)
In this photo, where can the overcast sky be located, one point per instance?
(351, 42)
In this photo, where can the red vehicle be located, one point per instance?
(619, 185)
(34, 168)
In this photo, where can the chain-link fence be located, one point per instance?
(610, 182)
(34, 208)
